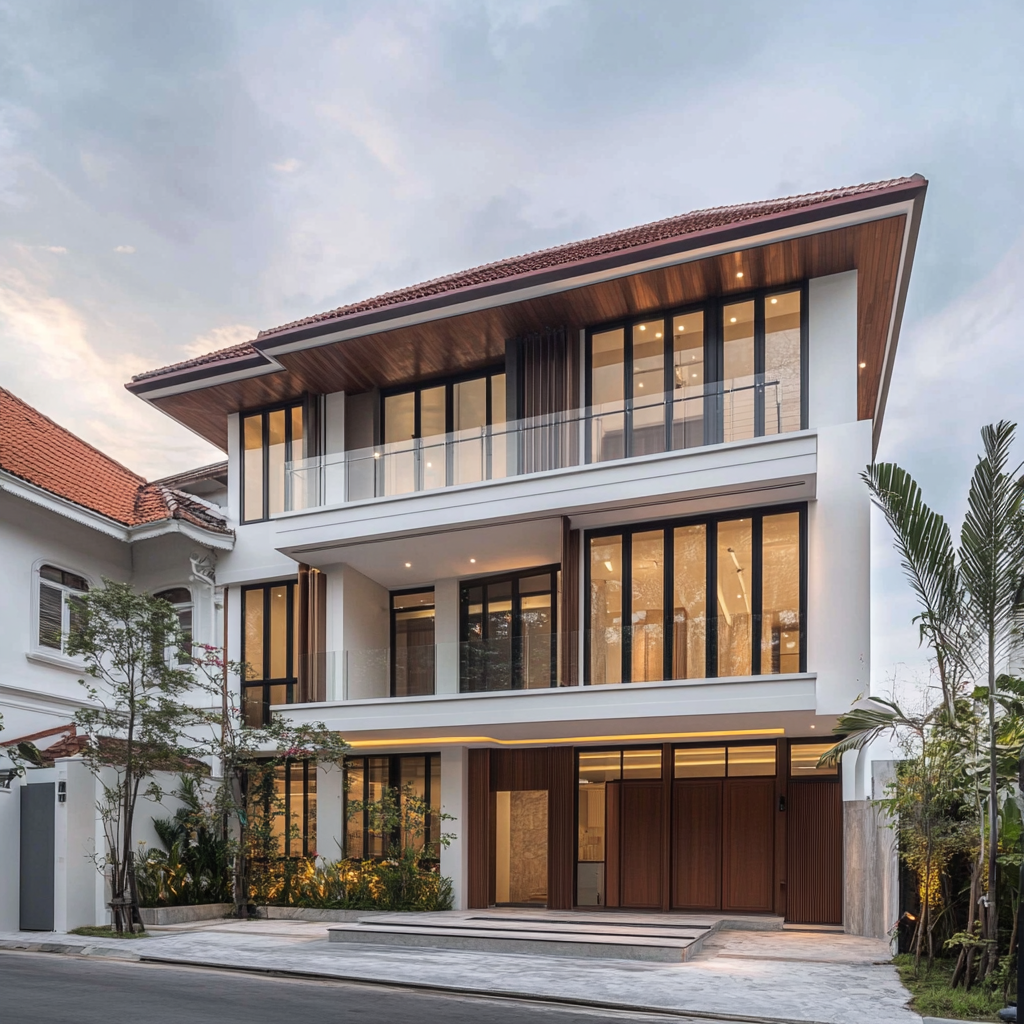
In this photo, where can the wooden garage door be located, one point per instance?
(640, 865)
(748, 844)
(814, 876)
(697, 845)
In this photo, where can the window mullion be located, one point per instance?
(627, 606)
(711, 601)
(756, 605)
(759, 366)
(668, 611)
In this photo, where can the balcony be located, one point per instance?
(687, 418)
(536, 662)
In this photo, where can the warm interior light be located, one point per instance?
(473, 560)
(681, 327)
(640, 385)
(862, 365)
(408, 565)
(775, 302)
(643, 327)
(609, 566)
(547, 741)
(376, 455)
(430, 465)
(658, 334)
(740, 274)
(733, 320)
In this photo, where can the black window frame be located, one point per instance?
(306, 405)
(711, 521)
(513, 577)
(714, 312)
(432, 829)
(291, 656)
(307, 837)
(392, 634)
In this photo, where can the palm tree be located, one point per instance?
(968, 599)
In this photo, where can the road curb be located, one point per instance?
(70, 949)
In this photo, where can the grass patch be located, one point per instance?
(933, 996)
(106, 931)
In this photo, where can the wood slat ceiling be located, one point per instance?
(472, 340)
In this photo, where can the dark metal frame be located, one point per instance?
(433, 828)
(711, 631)
(516, 668)
(448, 383)
(292, 655)
(391, 628)
(714, 334)
(309, 431)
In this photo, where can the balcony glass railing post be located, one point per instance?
(689, 417)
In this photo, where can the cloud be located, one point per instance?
(124, 248)
(59, 249)
(48, 359)
(287, 166)
(220, 337)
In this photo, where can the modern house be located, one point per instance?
(575, 544)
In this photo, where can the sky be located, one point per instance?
(175, 177)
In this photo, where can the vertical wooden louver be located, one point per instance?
(311, 635)
(815, 871)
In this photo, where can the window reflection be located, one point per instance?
(648, 606)
(735, 597)
(689, 614)
(780, 587)
(606, 610)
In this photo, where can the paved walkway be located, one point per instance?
(787, 975)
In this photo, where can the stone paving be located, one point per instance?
(788, 975)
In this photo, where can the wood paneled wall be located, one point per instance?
(815, 876)
(561, 828)
(479, 829)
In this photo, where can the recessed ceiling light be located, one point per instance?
(640, 385)
(812, 726)
(473, 560)
(408, 565)
(609, 566)
(733, 320)
(740, 274)
(430, 465)
(681, 327)
(658, 335)
(774, 301)
(643, 327)
(862, 365)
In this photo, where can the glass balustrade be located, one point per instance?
(689, 417)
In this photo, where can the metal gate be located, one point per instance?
(37, 848)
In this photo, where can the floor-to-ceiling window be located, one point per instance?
(728, 371)
(509, 631)
(271, 438)
(440, 434)
(285, 797)
(270, 649)
(412, 643)
(721, 596)
(411, 775)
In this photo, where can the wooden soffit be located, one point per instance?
(472, 340)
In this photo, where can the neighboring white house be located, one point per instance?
(71, 516)
(575, 544)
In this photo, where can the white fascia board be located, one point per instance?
(19, 488)
(39, 700)
(272, 366)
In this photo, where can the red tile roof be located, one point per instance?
(43, 453)
(559, 256)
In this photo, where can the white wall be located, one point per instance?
(10, 842)
(446, 633)
(455, 801)
(366, 627)
(832, 359)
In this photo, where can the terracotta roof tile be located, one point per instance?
(43, 453)
(557, 256)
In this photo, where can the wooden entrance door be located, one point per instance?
(697, 844)
(814, 876)
(748, 845)
(641, 831)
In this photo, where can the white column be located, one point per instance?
(446, 635)
(329, 831)
(455, 801)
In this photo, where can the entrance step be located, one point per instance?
(660, 938)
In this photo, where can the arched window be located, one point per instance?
(181, 598)
(59, 610)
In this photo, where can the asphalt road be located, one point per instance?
(46, 988)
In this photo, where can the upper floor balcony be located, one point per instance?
(691, 416)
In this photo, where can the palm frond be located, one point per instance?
(860, 726)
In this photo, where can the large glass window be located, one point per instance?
(509, 635)
(412, 643)
(439, 435)
(272, 438)
(727, 372)
(657, 579)
(270, 649)
(411, 775)
(741, 760)
(59, 611)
